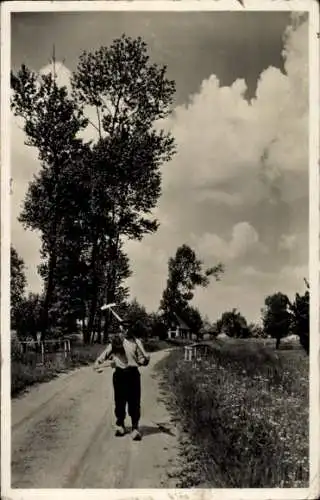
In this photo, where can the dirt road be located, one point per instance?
(63, 435)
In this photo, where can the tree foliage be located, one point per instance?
(138, 315)
(185, 273)
(129, 94)
(301, 318)
(17, 284)
(89, 198)
(233, 324)
(52, 121)
(29, 317)
(276, 316)
(256, 331)
(192, 317)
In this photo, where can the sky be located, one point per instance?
(237, 189)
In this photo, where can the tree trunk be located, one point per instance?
(99, 327)
(95, 292)
(278, 343)
(83, 321)
(49, 292)
(84, 328)
(107, 321)
(53, 255)
(111, 285)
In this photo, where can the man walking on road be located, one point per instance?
(125, 353)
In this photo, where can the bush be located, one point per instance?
(179, 342)
(85, 354)
(153, 345)
(24, 375)
(246, 414)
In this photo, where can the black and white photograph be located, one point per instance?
(159, 263)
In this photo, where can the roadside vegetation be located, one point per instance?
(26, 370)
(243, 416)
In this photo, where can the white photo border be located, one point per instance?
(310, 6)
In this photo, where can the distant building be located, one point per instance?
(179, 328)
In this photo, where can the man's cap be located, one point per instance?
(126, 323)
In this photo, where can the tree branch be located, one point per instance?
(93, 125)
(99, 122)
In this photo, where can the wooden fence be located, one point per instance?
(40, 353)
(196, 352)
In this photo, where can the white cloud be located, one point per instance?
(244, 239)
(246, 289)
(63, 74)
(150, 272)
(229, 199)
(221, 136)
(294, 273)
(288, 241)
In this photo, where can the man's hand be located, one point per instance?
(97, 367)
(101, 359)
(100, 365)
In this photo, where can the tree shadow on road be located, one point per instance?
(148, 430)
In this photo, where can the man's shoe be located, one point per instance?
(136, 436)
(120, 430)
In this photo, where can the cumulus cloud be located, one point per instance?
(246, 289)
(287, 241)
(222, 136)
(244, 239)
(61, 73)
(229, 199)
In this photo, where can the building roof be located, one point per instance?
(181, 323)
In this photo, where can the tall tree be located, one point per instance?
(276, 316)
(28, 318)
(185, 273)
(137, 313)
(52, 121)
(88, 198)
(17, 284)
(301, 318)
(129, 95)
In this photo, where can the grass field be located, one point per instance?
(243, 414)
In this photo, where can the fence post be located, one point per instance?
(188, 353)
(42, 353)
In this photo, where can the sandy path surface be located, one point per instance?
(63, 435)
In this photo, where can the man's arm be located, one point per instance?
(140, 345)
(103, 356)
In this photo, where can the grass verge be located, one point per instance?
(243, 414)
(25, 371)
